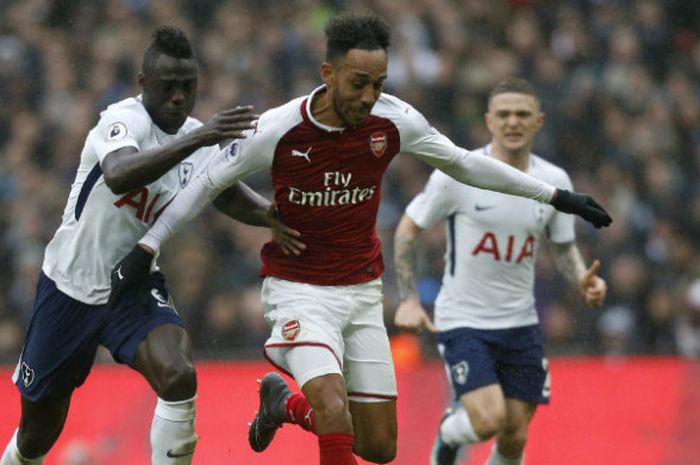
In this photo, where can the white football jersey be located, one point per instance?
(492, 239)
(99, 227)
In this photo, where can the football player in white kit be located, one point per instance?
(327, 153)
(143, 151)
(485, 314)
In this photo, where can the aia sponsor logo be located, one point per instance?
(143, 203)
(508, 252)
(290, 330)
(378, 143)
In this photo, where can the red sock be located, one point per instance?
(300, 413)
(336, 449)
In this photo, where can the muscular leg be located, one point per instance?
(328, 398)
(40, 425)
(164, 359)
(512, 437)
(486, 407)
(375, 429)
(480, 416)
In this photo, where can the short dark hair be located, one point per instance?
(365, 31)
(168, 40)
(515, 85)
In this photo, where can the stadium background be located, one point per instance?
(620, 85)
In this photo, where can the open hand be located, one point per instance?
(228, 124)
(411, 317)
(285, 237)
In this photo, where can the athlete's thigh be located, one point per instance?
(518, 414)
(368, 365)
(484, 402)
(302, 315)
(60, 344)
(522, 366)
(137, 316)
(167, 345)
(469, 361)
(374, 422)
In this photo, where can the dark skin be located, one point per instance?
(354, 83)
(164, 356)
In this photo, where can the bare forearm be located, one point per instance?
(126, 170)
(569, 261)
(243, 204)
(404, 264)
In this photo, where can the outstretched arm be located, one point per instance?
(570, 263)
(127, 168)
(410, 315)
(428, 144)
(492, 174)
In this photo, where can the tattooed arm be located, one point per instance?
(410, 315)
(570, 263)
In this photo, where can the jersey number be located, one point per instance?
(489, 245)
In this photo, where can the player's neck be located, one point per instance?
(519, 159)
(323, 111)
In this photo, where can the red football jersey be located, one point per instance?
(328, 181)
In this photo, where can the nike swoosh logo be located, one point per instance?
(119, 273)
(481, 208)
(174, 455)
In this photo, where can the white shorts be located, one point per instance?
(346, 320)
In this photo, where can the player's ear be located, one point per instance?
(540, 120)
(488, 121)
(141, 78)
(327, 73)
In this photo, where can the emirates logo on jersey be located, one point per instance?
(378, 143)
(291, 329)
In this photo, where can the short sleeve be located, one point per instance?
(436, 201)
(118, 128)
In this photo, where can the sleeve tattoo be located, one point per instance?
(569, 261)
(404, 264)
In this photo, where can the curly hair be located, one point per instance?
(365, 31)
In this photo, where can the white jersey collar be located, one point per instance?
(309, 101)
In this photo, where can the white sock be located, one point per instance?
(11, 456)
(497, 459)
(457, 429)
(172, 433)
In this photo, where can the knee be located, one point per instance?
(177, 381)
(329, 406)
(377, 449)
(512, 440)
(487, 423)
(327, 397)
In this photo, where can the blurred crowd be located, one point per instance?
(619, 82)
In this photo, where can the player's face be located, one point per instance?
(169, 91)
(513, 120)
(355, 83)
